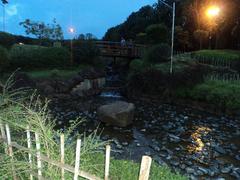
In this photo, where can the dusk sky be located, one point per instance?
(94, 16)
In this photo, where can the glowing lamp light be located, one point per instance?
(213, 11)
(71, 30)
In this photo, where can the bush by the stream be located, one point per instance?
(85, 52)
(35, 57)
(158, 54)
(222, 94)
(155, 82)
(4, 59)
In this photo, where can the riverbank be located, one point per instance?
(196, 143)
(19, 113)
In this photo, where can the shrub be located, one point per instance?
(56, 57)
(227, 55)
(158, 54)
(219, 57)
(34, 57)
(219, 93)
(141, 38)
(155, 82)
(157, 33)
(7, 40)
(85, 51)
(136, 65)
(4, 59)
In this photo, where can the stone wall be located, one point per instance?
(89, 87)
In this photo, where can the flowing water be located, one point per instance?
(195, 143)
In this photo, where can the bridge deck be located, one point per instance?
(115, 49)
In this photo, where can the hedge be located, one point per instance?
(222, 94)
(35, 57)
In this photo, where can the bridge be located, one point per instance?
(116, 50)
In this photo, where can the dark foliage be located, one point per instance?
(7, 40)
(189, 18)
(154, 82)
(157, 33)
(85, 51)
(158, 54)
(137, 65)
(35, 57)
(4, 59)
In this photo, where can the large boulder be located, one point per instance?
(119, 113)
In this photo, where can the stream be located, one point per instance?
(195, 143)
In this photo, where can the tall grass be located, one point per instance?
(20, 111)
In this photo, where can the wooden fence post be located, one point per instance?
(29, 145)
(145, 168)
(38, 153)
(77, 160)
(3, 134)
(107, 162)
(10, 150)
(62, 154)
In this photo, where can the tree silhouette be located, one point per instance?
(4, 1)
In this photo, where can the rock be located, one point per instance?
(148, 153)
(225, 170)
(159, 161)
(119, 113)
(174, 138)
(155, 147)
(190, 170)
(204, 170)
(183, 166)
(174, 163)
(220, 150)
(237, 157)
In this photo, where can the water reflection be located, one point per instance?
(197, 139)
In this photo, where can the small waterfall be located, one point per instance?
(113, 84)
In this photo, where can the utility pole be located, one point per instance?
(173, 31)
(173, 7)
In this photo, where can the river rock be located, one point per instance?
(119, 113)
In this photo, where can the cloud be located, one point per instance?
(12, 10)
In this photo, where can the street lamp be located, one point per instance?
(173, 7)
(212, 13)
(71, 30)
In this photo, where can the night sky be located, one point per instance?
(86, 16)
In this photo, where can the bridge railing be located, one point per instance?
(116, 49)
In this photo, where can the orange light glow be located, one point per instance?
(213, 11)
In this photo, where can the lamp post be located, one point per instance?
(212, 13)
(71, 31)
(173, 7)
